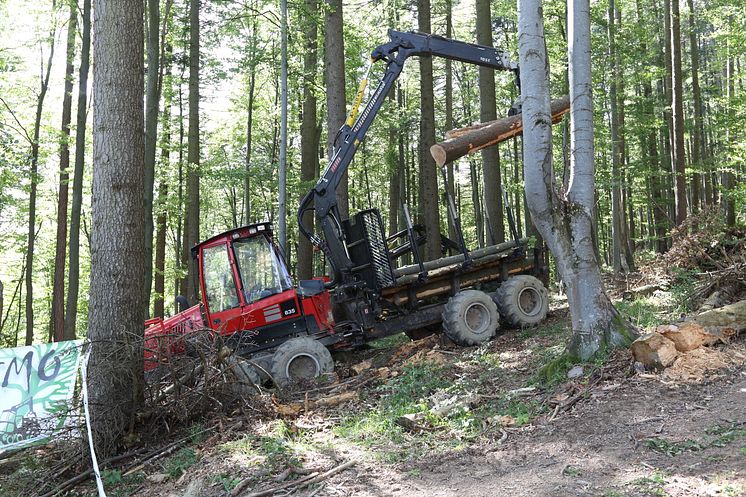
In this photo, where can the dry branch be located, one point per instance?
(460, 142)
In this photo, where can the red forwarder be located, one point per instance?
(249, 298)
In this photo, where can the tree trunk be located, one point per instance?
(308, 144)
(620, 242)
(44, 84)
(115, 313)
(152, 98)
(728, 179)
(679, 159)
(58, 284)
(159, 280)
(248, 216)
(428, 200)
(566, 223)
(282, 165)
(493, 208)
(334, 75)
(450, 182)
(71, 309)
(191, 228)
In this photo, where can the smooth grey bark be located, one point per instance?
(308, 135)
(728, 178)
(191, 228)
(493, 208)
(152, 98)
(58, 282)
(282, 167)
(73, 285)
(334, 76)
(248, 217)
(566, 222)
(115, 312)
(33, 173)
(679, 159)
(430, 217)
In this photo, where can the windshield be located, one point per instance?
(220, 290)
(262, 272)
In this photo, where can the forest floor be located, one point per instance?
(481, 421)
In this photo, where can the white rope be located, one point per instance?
(94, 460)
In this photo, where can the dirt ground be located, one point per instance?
(598, 449)
(625, 434)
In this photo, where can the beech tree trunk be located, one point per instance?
(58, 284)
(429, 213)
(73, 281)
(493, 204)
(282, 165)
(191, 228)
(115, 312)
(308, 144)
(565, 223)
(334, 76)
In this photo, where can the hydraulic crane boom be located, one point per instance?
(323, 197)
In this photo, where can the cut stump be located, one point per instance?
(654, 351)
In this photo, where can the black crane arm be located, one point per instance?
(323, 197)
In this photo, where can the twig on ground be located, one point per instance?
(303, 482)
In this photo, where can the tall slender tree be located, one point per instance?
(488, 112)
(34, 183)
(308, 136)
(282, 167)
(152, 98)
(58, 283)
(679, 160)
(428, 200)
(73, 281)
(334, 76)
(191, 231)
(115, 313)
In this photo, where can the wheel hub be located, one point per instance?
(303, 366)
(529, 301)
(477, 318)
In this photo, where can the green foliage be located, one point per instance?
(177, 464)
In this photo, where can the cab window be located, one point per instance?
(220, 289)
(262, 272)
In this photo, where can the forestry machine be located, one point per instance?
(287, 329)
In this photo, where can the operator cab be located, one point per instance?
(247, 289)
(240, 267)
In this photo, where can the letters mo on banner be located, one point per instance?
(37, 386)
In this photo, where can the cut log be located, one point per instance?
(731, 316)
(467, 140)
(654, 351)
(688, 336)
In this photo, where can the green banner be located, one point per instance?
(37, 387)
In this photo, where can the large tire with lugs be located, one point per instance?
(523, 301)
(246, 376)
(300, 358)
(470, 317)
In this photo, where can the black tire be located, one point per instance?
(470, 317)
(246, 376)
(523, 301)
(300, 358)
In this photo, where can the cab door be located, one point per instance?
(219, 288)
